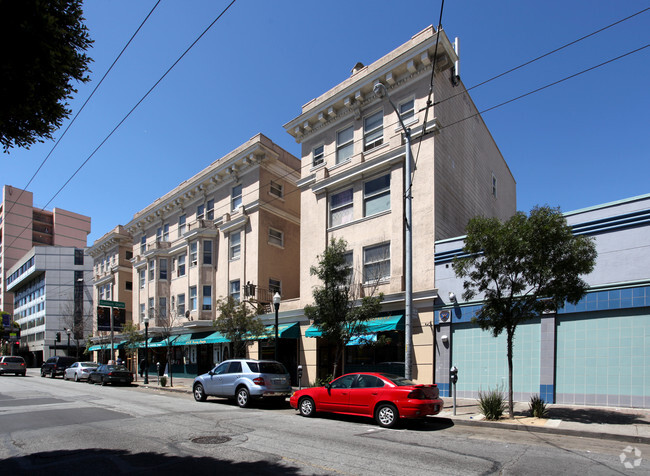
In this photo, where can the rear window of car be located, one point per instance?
(267, 367)
(397, 380)
(14, 360)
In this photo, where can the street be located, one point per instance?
(50, 426)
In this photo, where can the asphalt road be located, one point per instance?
(51, 426)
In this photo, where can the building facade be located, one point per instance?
(53, 304)
(593, 353)
(22, 226)
(353, 186)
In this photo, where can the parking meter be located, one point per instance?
(300, 377)
(453, 374)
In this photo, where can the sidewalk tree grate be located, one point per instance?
(210, 440)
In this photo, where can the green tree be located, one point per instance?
(239, 323)
(44, 43)
(338, 310)
(133, 336)
(522, 268)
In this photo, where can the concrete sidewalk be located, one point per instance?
(630, 425)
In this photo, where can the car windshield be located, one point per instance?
(15, 360)
(397, 380)
(267, 367)
(117, 367)
(88, 364)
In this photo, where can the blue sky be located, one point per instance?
(583, 142)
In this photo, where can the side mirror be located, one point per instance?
(328, 386)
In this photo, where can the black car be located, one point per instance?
(116, 374)
(56, 365)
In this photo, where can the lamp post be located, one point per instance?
(146, 350)
(67, 331)
(380, 90)
(276, 305)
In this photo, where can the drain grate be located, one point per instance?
(210, 440)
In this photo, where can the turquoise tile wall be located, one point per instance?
(482, 360)
(607, 354)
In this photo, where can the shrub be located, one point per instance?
(163, 381)
(492, 403)
(537, 407)
(320, 382)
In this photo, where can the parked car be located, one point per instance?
(385, 397)
(244, 380)
(10, 364)
(115, 374)
(79, 371)
(56, 365)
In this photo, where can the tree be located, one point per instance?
(78, 322)
(338, 310)
(523, 267)
(133, 336)
(48, 39)
(239, 323)
(166, 321)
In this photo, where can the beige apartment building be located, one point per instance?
(353, 186)
(23, 226)
(233, 229)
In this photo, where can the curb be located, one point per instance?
(554, 431)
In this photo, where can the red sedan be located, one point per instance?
(384, 397)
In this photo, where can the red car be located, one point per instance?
(384, 397)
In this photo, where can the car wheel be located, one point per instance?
(76, 377)
(243, 397)
(199, 393)
(42, 373)
(103, 382)
(24, 374)
(386, 415)
(306, 407)
(52, 374)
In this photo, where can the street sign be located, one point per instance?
(117, 304)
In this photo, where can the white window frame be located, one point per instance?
(152, 269)
(236, 195)
(143, 311)
(200, 211)
(341, 207)
(318, 155)
(343, 146)
(165, 236)
(143, 278)
(180, 304)
(181, 270)
(143, 244)
(408, 114)
(194, 254)
(193, 298)
(209, 209)
(376, 263)
(373, 137)
(377, 194)
(276, 189)
(276, 237)
(182, 224)
(234, 289)
(235, 245)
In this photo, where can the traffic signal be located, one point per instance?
(58, 337)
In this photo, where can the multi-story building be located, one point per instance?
(22, 226)
(353, 185)
(592, 353)
(233, 229)
(53, 303)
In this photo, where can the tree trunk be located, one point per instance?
(510, 402)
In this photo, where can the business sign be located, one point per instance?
(117, 304)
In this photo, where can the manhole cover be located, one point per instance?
(210, 440)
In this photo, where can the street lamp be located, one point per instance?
(276, 305)
(146, 350)
(68, 331)
(380, 90)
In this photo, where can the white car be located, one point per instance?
(79, 371)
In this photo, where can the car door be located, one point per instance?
(210, 381)
(364, 393)
(336, 396)
(226, 385)
(70, 371)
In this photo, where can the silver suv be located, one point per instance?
(10, 364)
(244, 380)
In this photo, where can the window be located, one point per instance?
(152, 310)
(318, 155)
(181, 225)
(163, 268)
(143, 244)
(193, 298)
(494, 186)
(234, 289)
(181, 304)
(349, 263)
(162, 306)
(200, 210)
(341, 208)
(207, 251)
(143, 310)
(407, 110)
(373, 130)
(128, 254)
(276, 189)
(376, 195)
(236, 197)
(142, 277)
(78, 257)
(275, 286)
(376, 263)
(181, 265)
(210, 207)
(207, 298)
(194, 251)
(128, 286)
(159, 232)
(235, 245)
(344, 144)
(152, 270)
(165, 232)
(276, 237)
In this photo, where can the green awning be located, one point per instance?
(155, 342)
(197, 338)
(93, 348)
(378, 324)
(290, 330)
